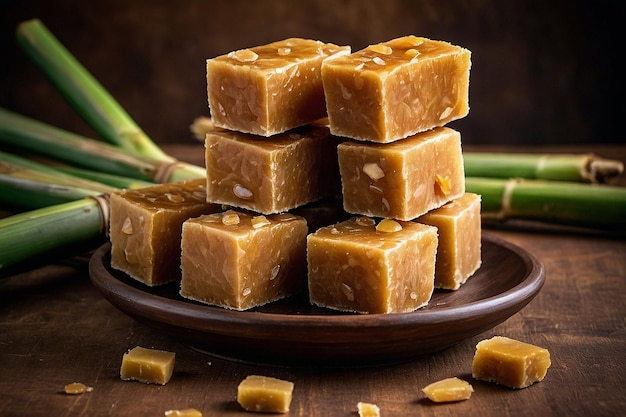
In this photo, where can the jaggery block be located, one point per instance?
(240, 260)
(186, 412)
(395, 89)
(271, 88)
(459, 251)
(510, 362)
(145, 227)
(271, 175)
(448, 390)
(367, 409)
(364, 267)
(403, 179)
(151, 366)
(265, 394)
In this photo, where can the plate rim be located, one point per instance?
(526, 289)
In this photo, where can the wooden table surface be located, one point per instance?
(55, 328)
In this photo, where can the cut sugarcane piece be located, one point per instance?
(43, 233)
(54, 168)
(557, 167)
(575, 204)
(31, 189)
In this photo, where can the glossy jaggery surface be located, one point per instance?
(272, 175)
(269, 89)
(145, 227)
(240, 260)
(361, 267)
(394, 89)
(404, 179)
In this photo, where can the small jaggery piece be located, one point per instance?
(271, 175)
(368, 409)
(269, 89)
(240, 260)
(76, 388)
(364, 267)
(459, 252)
(145, 227)
(187, 412)
(510, 362)
(448, 390)
(404, 179)
(396, 89)
(265, 394)
(150, 366)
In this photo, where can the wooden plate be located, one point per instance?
(291, 331)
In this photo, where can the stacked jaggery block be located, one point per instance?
(265, 156)
(406, 225)
(269, 89)
(393, 101)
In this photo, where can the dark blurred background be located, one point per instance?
(544, 72)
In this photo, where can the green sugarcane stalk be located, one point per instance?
(568, 203)
(34, 136)
(29, 188)
(84, 93)
(115, 181)
(50, 232)
(556, 167)
(92, 101)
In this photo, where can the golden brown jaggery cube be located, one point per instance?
(510, 362)
(367, 409)
(150, 366)
(265, 394)
(403, 179)
(269, 89)
(271, 175)
(145, 227)
(358, 267)
(459, 252)
(448, 390)
(395, 89)
(240, 260)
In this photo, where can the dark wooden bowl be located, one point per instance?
(292, 332)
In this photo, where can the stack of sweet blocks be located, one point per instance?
(298, 121)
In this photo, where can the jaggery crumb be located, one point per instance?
(388, 226)
(448, 390)
(76, 388)
(381, 49)
(230, 218)
(187, 412)
(242, 192)
(373, 170)
(368, 410)
(259, 221)
(244, 55)
(442, 185)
